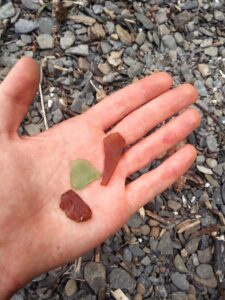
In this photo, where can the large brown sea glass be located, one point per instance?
(83, 173)
(74, 207)
(114, 145)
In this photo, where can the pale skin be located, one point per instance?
(36, 235)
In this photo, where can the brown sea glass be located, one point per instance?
(114, 145)
(74, 207)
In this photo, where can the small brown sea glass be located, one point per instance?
(114, 145)
(74, 207)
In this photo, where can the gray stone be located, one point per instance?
(211, 162)
(98, 9)
(146, 22)
(127, 255)
(145, 261)
(179, 296)
(67, 40)
(204, 170)
(135, 70)
(161, 16)
(219, 15)
(205, 271)
(211, 51)
(136, 250)
(210, 283)
(169, 42)
(120, 279)
(187, 73)
(192, 245)
(163, 30)
(208, 220)
(179, 38)
(7, 11)
(200, 159)
(135, 221)
(8, 60)
(201, 88)
(45, 41)
(25, 26)
(26, 39)
(191, 4)
(31, 4)
(212, 143)
(80, 50)
(95, 276)
(205, 255)
(218, 169)
(17, 297)
(161, 290)
(165, 244)
(110, 27)
(180, 281)
(124, 35)
(140, 38)
(57, 116)
(46, 25)
(195, 260)
(179, 264)
(145, 229)
(32, 129)
(204, 69)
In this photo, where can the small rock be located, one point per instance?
(31, 4)
(146, 22)
(46, 25)
(136, 250)
(180, 281)
(161, 16)
(135, 221)
(140, 38)
(190, 4)
(211, 162)
(98, 9)
(179, 264)
(179, 296)
(25, 26)
(212, 143)
(120, 279)
(210, 283)
(83, 64)
(97, 32)
(145, 229)
(70, 287)
(204, 69)
(114, 59)
(201, 88)
(186, 73)
(45, 41)
(7, 11)
(219, 15)
(127, 255)
(165, 244)
(57, 116)
(135, 70)
(80, 50)
(211, 51)
(174, 205)
(67, 40)
(204, 271)
(104, 68)
(192, 245)
(145, 261)
(31, 129)
(195, 260)
(204, 170)
(84, 20)
(161, 291)
(124, 35)
(208, 220)
(169, 42)
(26, 39)
(141, 289)
(95, 276)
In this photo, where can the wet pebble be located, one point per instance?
(7, 11)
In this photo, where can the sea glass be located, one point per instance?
(83, 173)
(114, 145)
(74, 207)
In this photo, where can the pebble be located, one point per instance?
(26, 39)
(204, 69)
(204, 170)
(25, 26)
(140, 38)
(192, 245)
(70, 287)
(46, 25)
(179, 296)
(169, 42)
(219, 15)
(124, 35)
(136, 250)
(146, 22)
(211, 162)
(212, 143)
(127, 255)
(201, 88)
(145, 229)
(195, 260)
(161, 16)
(204, 271)
(120, 279)
(186, 73)
(32, 129)
(135, 70)
(141, 289)
(208, 220)
(80, 50)
(165, 244)
(174, 205)
(200, 159)
(98, 9)
(135, 221)
(95, 276)
(210, 283)
(45, 41)
(179, 264)
(7, 11)
(180, 281)
(145, 261)
(211, 51)
(67, 40)
(31, 4)
(57, 116)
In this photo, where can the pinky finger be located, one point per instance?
(146, 187)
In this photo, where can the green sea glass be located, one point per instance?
(83, 173)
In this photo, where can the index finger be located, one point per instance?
(118, 105)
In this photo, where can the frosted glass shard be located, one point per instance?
(83, 173)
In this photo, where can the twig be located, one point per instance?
(77, 264)
(188, 226)
(98, 254)
(42, 99)
(157, 217)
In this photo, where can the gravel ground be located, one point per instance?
(172, 248)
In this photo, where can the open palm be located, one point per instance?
(35, 232)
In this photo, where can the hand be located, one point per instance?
(36, 235)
